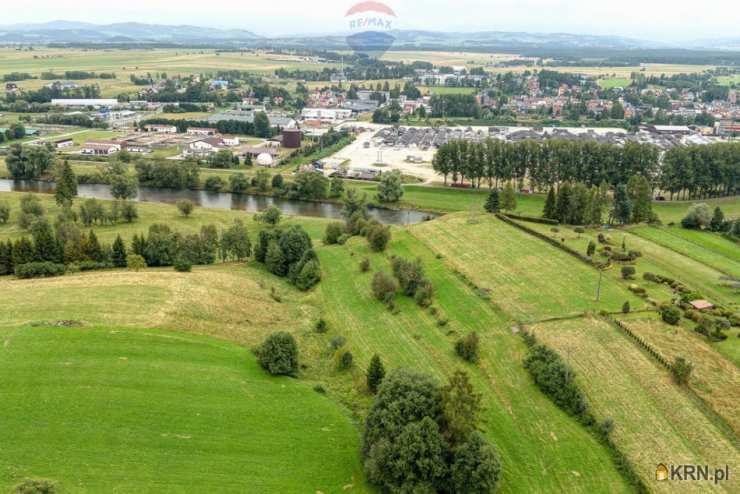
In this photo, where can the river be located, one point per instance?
(226, 200)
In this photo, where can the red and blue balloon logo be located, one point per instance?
(370, 26)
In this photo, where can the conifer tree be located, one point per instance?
(493, 203)
(375, 374)
(119, 253)
(66, 184)
(549, 212)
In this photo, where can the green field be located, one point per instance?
(655, 259)
(655, 421)
(714, 377)
(708, 248)
(612, 82)
(134, 410)
(526, 277)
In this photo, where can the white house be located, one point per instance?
(329, 115)
(230, 140)
(161, 128)
(202, 131)
(64, 143)
(100, 147)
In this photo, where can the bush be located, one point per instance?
(606, 427)
(670, 314)
(4, 212)
(650, 277)
(214, 184)
(135, 262)
(681, 370)
(384, 287)
(365, 265)
(185, 206)
(344, 360)
(337, 342)
(556, 379)
(39, 270)
(467, 347)
(333, 232)
(36, 486)
(626, 307)
(424, 293)
(378, 237)
(278, 355)
(321, 326)
(270, 216)
(183, 264)
(628, 272)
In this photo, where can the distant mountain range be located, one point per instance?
(123, 32)
(138, 33)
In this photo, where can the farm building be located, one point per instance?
(100, 148)
(161, 128)
(202, 131)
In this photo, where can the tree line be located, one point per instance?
(710, 170)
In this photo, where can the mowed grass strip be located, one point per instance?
(655, 420)
(128, 410)
(708, 248)
(715, 378)
(542, 449)
(656, 259)
(528, 278)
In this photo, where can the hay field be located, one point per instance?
(655, 421)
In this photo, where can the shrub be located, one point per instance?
(343, 238)
(681, 370)
(556, 379)
(378, 237)
(4, 212)
(278, 355)
(606, 427)
(135, 262)
(670, 314)
(183, 264)
(270, 216)
(365, 265)
(467, 347)
(321, 326)
(698, 217)
(214, 184)
(628, 272)
(344, 360)
(185, 206)
(424, 293)
(337, 342)
(650, 277)
(36, 486)
(39, 270)
(384, 287)
(626, 307)
(333, 232)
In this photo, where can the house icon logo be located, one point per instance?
(661, 473)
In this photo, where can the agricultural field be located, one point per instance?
(124, 63)
(612, 82)
(529, 279)
(656, 259)
(714, 378)
(430, 90)
(132, 410)
(655, 421)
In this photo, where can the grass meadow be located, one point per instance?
(116, 409)
(655, 421)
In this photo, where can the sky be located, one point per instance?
(659, 20)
